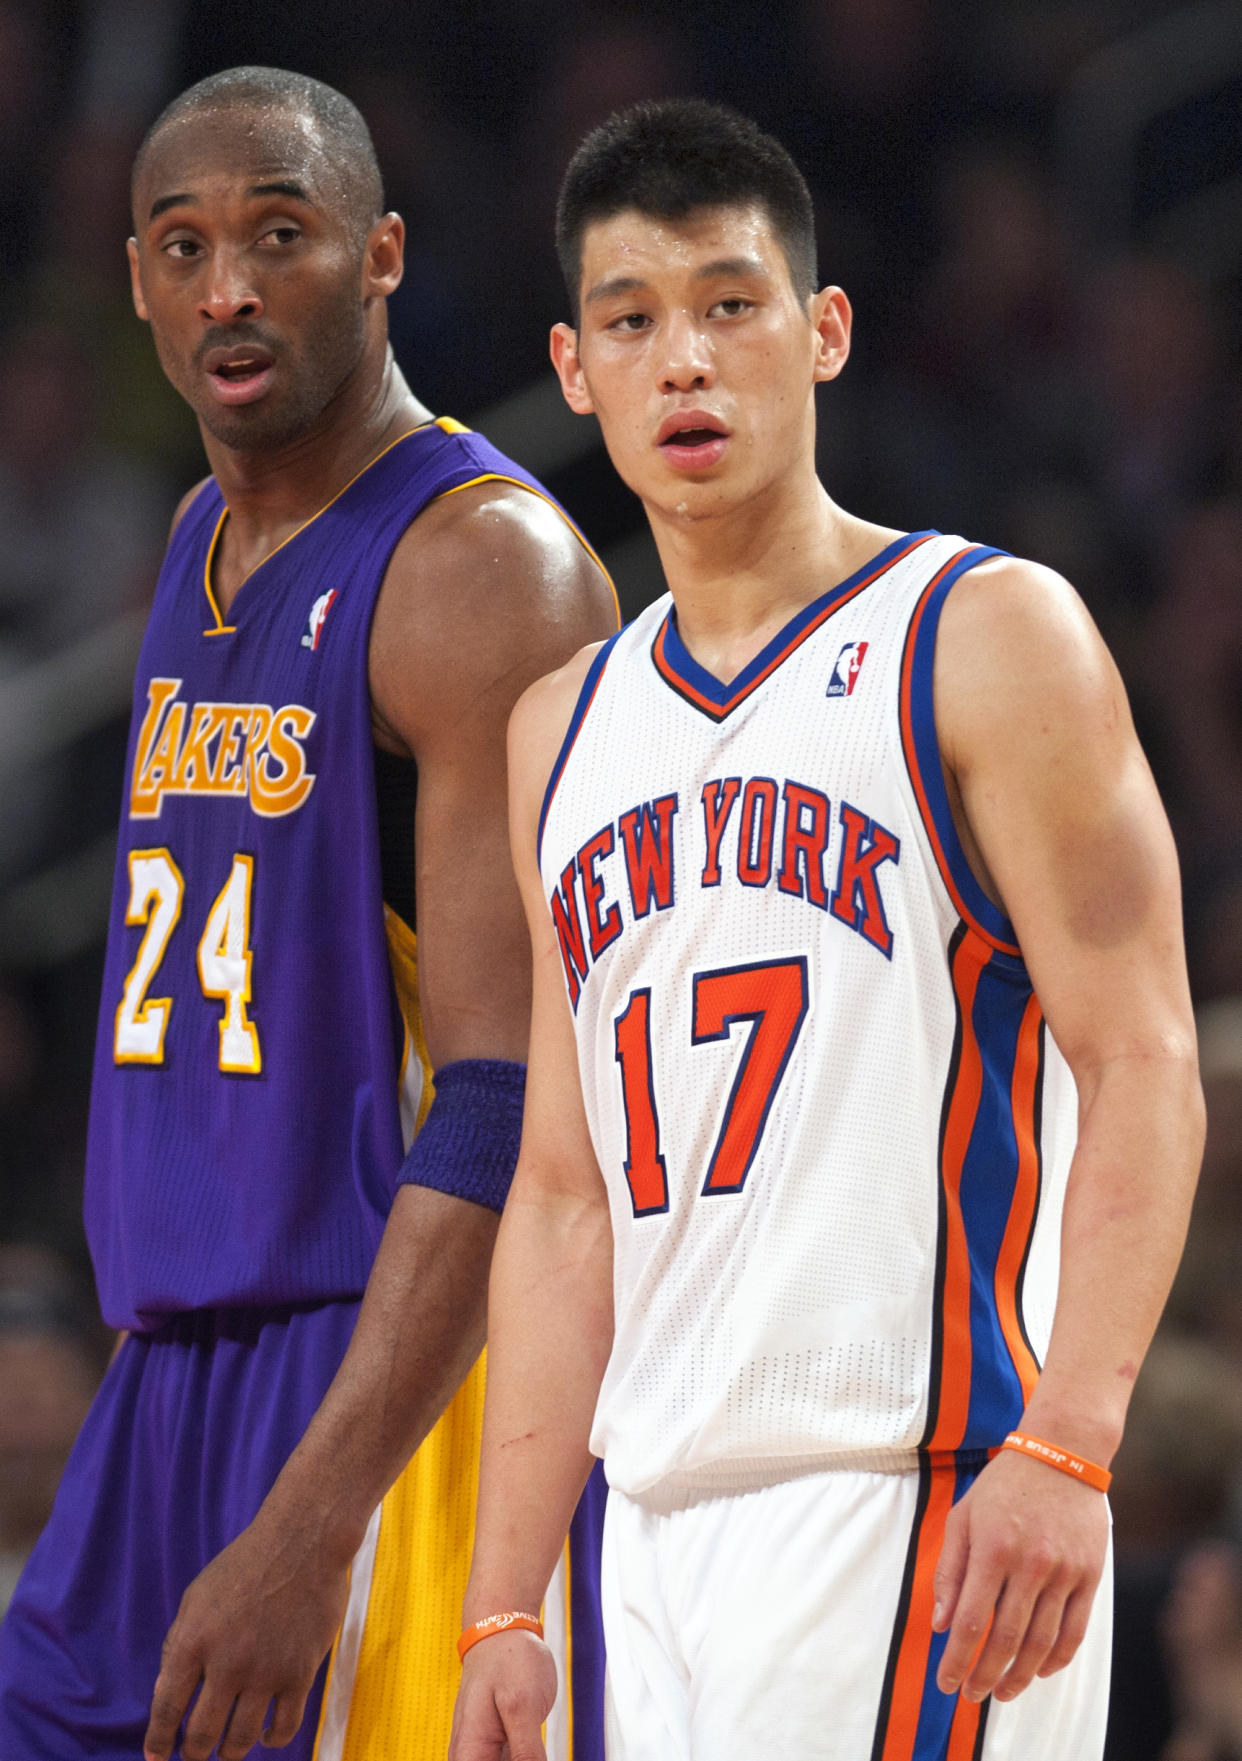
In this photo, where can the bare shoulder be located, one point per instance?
(488, 589)
(1018, 658)
(537, 730)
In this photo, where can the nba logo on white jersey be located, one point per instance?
(845, 672)
(315, 623)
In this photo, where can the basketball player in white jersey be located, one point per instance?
(863, 1114)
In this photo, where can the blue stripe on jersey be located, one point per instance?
(589, 685)
(989, 1179)
(927, 747)
(938, 1711)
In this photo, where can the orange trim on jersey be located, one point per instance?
(718, 711)
(223, 629)
(963, 1109)
(966, 1730)
(1021, 1221)
(501, 477)
(910, 1675)
(912, 764)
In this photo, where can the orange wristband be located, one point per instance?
(1074, 1465)
(497, 1623)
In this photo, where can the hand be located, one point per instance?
(1023, 1551)
(253, 1627)
(508, 1685)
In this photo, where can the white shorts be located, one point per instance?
(793, 1623)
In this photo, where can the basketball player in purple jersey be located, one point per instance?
(863, 1112)
(350, 604)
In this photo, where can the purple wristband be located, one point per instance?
(468, 1146)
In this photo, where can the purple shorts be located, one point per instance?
(189, 1430)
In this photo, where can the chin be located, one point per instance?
(253, 428)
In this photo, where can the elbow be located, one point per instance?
(1161, 1075)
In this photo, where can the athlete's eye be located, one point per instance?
(181, 249)
(630, 322)
(281, 235)
(733, 307)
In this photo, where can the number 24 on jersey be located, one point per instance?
(156, 891)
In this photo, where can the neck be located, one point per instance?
(739, 575)
(285, 485)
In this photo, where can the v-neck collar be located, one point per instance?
(219, 627)
(679, 669)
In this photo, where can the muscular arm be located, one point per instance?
(487, 590)
(1064, 827)
(550, 1313)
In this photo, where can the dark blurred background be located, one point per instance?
(1036, 207)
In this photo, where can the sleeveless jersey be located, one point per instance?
(833, 1128)
(247, 1120)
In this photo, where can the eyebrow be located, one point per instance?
(623, 284)
(280, 186)
(162, 203)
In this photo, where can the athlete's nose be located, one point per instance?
(687, 364)
(229, 292)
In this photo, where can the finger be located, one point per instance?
(1041, 1634)
(1011, 1619)
(174, 1689)
(1074, 1618)
(523, 1726)
(204, 1726)
(972, 1614)
(244, 1725)
(286, 1719)
(950, 1569)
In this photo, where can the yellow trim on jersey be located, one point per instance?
(501, 477)
(447, 425)
(404, 1681)
(403, 959)
(223, 629)
(567, 1689)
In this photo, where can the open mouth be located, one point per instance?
(236, 372)
(692, 437)
(239, 376)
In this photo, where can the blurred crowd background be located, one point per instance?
(1036, 207)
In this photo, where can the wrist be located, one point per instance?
(508, 1620)
(1052, 1455)
(1095, 1435)
(294, 1515)
(488, 1596)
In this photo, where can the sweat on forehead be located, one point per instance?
(265, 121)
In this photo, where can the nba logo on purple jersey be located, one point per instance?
(845, 672)
(315, 623)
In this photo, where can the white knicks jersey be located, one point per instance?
(834, 1130)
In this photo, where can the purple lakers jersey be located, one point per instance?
(245, 1130)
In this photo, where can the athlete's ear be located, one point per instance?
(563, 347)
(831, 317)
(384, 264)
(135, 279)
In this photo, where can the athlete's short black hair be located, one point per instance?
(276, 89)
(669, 156)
